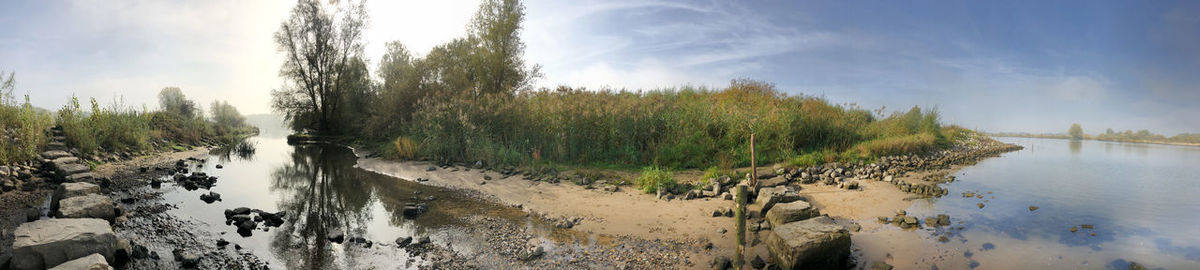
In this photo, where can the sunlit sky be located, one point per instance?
(1031, 66)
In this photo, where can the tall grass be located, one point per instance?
(120, 128)
(674, 128)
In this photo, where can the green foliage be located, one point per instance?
(916, 143)
(21, 126)
(172, 100)
(226, 116)
(1075, 131)
(1147, 136)
(77, 127)
(654, 178)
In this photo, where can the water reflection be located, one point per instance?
(1076, 145)
(321, 195)
(243, 149)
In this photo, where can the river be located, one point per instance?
(1139, 198)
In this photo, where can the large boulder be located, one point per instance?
(90, 262)
(784, 213)
(768, 197)
(44, 243)
(87, 206)
(816, 243)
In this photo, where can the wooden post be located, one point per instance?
(740, 228)
(753, 166)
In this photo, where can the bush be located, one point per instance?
(405, 148)
(654, 178)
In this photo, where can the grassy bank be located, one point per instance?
(675, 128)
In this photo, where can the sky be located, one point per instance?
(1012, 66)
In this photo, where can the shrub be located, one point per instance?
(405, 148)
(654, 178)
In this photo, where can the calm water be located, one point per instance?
(321, 190)
(1143, 199)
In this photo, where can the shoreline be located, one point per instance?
(629, 212)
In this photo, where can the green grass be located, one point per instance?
(654, 178)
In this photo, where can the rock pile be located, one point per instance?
(246, 220)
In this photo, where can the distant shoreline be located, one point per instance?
(1085, 139)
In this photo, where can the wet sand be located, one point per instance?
(630, 212)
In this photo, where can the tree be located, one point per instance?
(319, 41)
(1075, 131)
(497, 28)
(172, 100)
(226, 115)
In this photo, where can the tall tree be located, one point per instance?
(320, 39)
(226, 115)
(172, 100)
(1075, 131)
(497, 27)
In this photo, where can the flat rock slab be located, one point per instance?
(72, 168)
(87, 206)
(79, 177)
(49, 242)
(768, 197)
(89, 262)
(55, 154)
(68, 190)
(784, 213)
(816, 243)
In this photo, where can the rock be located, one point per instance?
(722, 263)
(412, 210)
(222, 243)
(855, 227)
(718, 213)
(722, 230)
(423, 240)
(532, 254)
(88, 206)
(1087, 226)
(980, 205)
(210, 197)
(772, 182)
(219, 166)
(68, 190)
(727, 196)
(189, 259)
(784, 213)
(943, 220)
(881, 266)
(71, 168)
(883, 219)
(943, 239)
(565, 224)
(123, 253)
(89, 262)
(78, 177)
(229, 213)
(729, 212)
(55, 154)
(758, 262)
(1074, 229)
(336, 236)
(403, 241)
(816, 243)
(1033, 208)
(851, 185)
(431, 168)
(44, 243)
(910, 222)
(768, 197)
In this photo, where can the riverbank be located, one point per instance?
(626, 211)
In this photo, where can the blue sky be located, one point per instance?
(1032, 66)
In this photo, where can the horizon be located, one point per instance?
(998, 67)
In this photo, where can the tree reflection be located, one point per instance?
(322, 193)
(243, 149)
